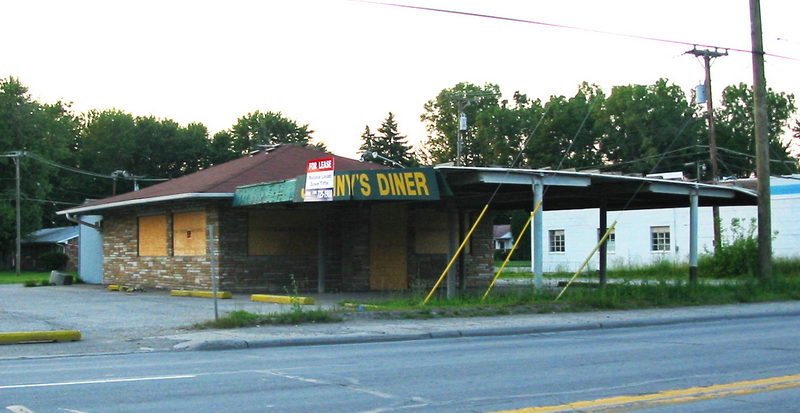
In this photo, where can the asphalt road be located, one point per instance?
(751, 363)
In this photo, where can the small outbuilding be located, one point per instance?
(59, 239)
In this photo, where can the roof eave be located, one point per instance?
(141, 201)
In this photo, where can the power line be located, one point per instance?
(112, 176)
(569, 27)
(45, 201)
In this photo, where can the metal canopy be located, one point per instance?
(576, 190)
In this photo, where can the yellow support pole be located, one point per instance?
(586, 261)
(511, 252)
(458, 252)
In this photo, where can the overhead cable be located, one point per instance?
(570, 27)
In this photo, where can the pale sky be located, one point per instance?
(339, 65)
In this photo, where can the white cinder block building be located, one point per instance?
(644, 237)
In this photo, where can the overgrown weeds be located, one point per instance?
(297, 314)
(738, 254)
(241, 318)
(590, 297)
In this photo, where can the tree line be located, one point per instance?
(113, 149)
(636, 128)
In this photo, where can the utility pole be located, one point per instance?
(762, 144)
(16, 156)
(712, 133)
(461, 103)
(18, 260)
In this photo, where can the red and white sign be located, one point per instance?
(319, 180)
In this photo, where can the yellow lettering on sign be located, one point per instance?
(383, 184)
(342, 187)
(366, 189)
(409, 180)
(422, 183)
(399, 184)
(352, 179)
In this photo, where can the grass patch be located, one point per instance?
(241, 318)
(513, 264)
(38, 278)
(11, 277)
(662, 270)
(589, 297)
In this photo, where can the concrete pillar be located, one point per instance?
(693, 222)
(603, 264)
(537, 238)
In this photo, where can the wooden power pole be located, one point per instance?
(762, 144)
(707, 55)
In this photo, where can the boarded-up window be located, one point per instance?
(189, 233)
(153, 236)
(431, 232)
(282, 232)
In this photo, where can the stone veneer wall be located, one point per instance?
(347, 262)
(123, 265)
(479, 263)
(425, 269)
(347, 248)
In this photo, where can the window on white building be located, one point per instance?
(659, 239)
(557, 240)
(611, 242)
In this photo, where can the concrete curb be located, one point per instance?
(479, 332)
(40, 336)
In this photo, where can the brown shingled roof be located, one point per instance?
(281, 162)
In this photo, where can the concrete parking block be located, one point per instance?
(282, 299)
(40, 336)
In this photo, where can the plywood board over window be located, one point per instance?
(388, 266)
(431, 232)
(282, 232)
(153, 236)
(189, 233)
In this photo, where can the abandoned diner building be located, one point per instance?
(376, 229)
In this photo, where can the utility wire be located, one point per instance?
(84, 172)
(569, 27)
(45, 201)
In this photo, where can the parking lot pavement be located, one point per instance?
(118, 322)
(111, 321)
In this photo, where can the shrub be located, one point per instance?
(54, 261)
(738, 254)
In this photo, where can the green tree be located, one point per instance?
(389, 144)
(267, 128)
(220, 149)
(442, 124)
(369, 141)
(643, 123)
(47, 131)
(505, 129)
(147, 147)
(570, 130)
(736, 131)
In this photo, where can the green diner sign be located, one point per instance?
(382, 184)
(419, 184)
